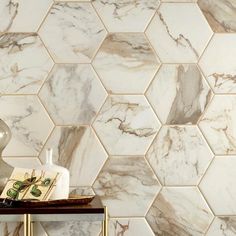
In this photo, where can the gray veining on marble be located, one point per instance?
(72, 94)
(72, 32)
(24, 63)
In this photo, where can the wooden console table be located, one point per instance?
(94, 211)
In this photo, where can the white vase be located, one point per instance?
(61, 190)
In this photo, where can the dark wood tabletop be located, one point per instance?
(94, 207)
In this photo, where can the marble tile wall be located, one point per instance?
(138, 100)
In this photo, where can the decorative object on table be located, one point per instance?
(62, 189)
(30, 184)
(5, 169)
(73, 200)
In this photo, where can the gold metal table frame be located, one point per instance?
(28, 224)
(95, 211)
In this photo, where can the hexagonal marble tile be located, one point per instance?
(218, 64)
(179, 211)
(17, 229)
(218, 124)
(126, 185)
(129, 227)
(72, 32)
(69, 228)
(179, 155)
(20, 73)
(126, 121)
(218, 185)
(29, 123)
(131, 62)
(16, 17)
(184, 90)
(79, 150)
(176, 39)
(125, 15)
(223, 226)
(76, 85)
(23, 162)
(220, 14)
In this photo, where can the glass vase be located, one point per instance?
(5, 169)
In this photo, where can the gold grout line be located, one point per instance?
(43, 20)
(204, 197)
(48, 114)
(97, 13)
(209, 226)
(207, 44)
(45, 80)
(151, 17)
(205, 77)
(210, 210)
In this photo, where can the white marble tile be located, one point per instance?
(218, 185)
(223, 226)
(126, 186)
(179, 212)
(82, 190)
(179, 155)
(72, 94)
(174, 32)
(78, 228)
(176, 1)
(72, 32)
(79, 150)
(218, 124)
(126, 15)
(126, 125)
(131, 62)
(218, 63)
(23, 162)
(220, 14)
(16, 15)
(29, 124)
(179, 94)
(129, 227)
(17, 229)
(24, 63)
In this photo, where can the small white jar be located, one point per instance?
(61, 190)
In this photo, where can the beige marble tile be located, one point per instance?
(174, 32)
(218, 124)
(79, 150)
(220, 14)
(16, 15)
(29, 123)
(179, 94)
(176, 1)
(126, 186)
(24, 63)
(72, 94)
(126, 15)
(218, 185)
(126, 125)
(218, 63)
(129, 227)
(178, 212)
(223, 226)
(72, 32)
(179, 155)
(131, 62)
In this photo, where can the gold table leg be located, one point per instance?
(27, 225)
(105, 222)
